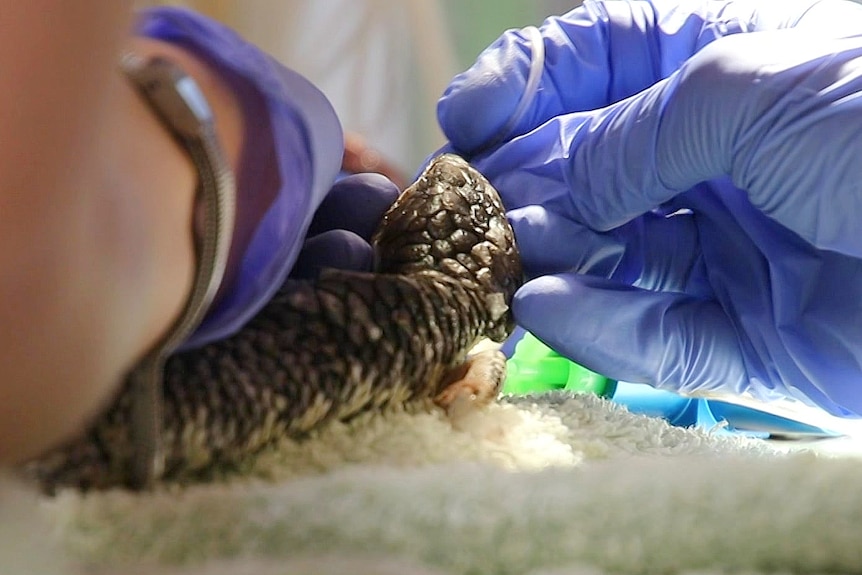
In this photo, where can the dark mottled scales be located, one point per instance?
(346, 343)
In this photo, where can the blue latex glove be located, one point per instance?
(687, 196)
(296, 156)
(340, 233)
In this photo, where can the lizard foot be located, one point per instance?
(473, 384)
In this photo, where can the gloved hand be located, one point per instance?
(340, 233)
(685, 185)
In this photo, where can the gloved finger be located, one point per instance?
(550, 243)
(668, 340)
(655, 251)
(753, 107)
(339, 249)
(599, 168)
(355, 203)
(602, 52)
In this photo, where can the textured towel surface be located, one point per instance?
(540, 485)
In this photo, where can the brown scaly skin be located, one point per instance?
(346, 343)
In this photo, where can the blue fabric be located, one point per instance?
(308, 145)
(686, 190)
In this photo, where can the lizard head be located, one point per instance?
(452, 220)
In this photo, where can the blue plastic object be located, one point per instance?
(534, 367)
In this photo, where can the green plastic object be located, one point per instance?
(534, 368)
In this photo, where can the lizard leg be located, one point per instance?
(472, 384)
